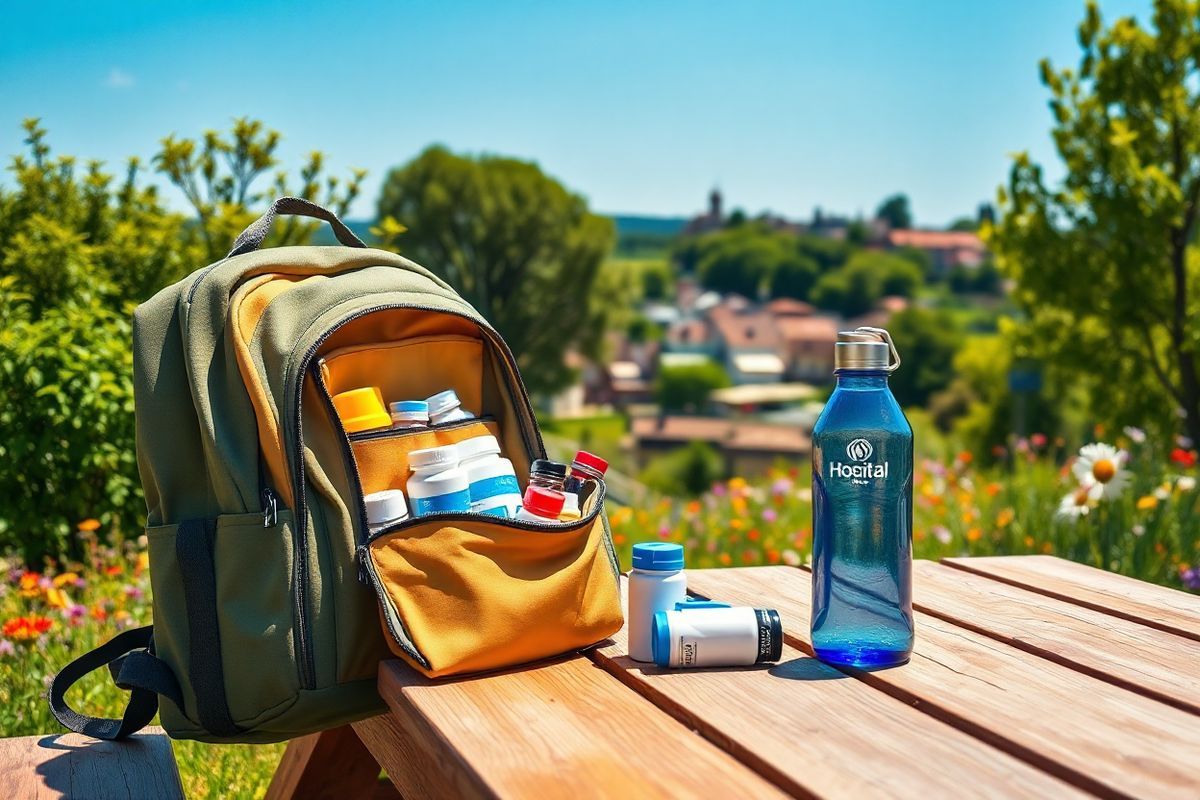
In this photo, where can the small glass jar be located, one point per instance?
(547, 474)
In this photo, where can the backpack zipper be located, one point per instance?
(533, 444)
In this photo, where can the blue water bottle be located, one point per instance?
(862, 511)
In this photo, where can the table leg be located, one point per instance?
(331, 764)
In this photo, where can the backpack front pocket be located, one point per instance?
(225, 623)
(474, 595)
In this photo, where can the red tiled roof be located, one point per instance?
(787, 307)
(808, 329)
(935, 240)
(745, 330)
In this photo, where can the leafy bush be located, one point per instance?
(66, 424)
(79, 250)
(686, 472)
(687, 387)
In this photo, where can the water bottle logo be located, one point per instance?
(859, 450)
(861, 471)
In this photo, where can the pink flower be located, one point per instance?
(718, 489)
(664, 532)
(781, 486)
(769, 515)
(6, 647)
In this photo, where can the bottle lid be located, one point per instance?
(770, 635)
(442, 402)
(478, 446)
(433, 458)
(660, 640)
(385, 506)
(362, 409)
(658, 556)
(544, 466)
(543, 502)
(417, 407)
(591, 460)
(865, 349)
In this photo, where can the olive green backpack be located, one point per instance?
(263, 628)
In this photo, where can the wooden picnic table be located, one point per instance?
(1032, 677)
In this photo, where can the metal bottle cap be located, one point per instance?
(866, 349)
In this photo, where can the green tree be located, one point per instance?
(1105, 262)
(854, 288)
(519, 246)
(827, 253)
(927, 342)
(794, 277)
(895, 212)
(218, 175)
(687, 387)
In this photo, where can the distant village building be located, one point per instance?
(749, 448)
(713, 220)
(749, 342)
(947, 249)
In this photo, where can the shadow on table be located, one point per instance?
(803, 668)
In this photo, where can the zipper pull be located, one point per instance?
(270, 508)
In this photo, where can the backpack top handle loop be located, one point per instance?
(252, 238)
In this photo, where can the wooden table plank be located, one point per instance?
(1167, 609)
(70, 765)
(561, 729)
(812, 731)
(1128, 654)
(1098, 736)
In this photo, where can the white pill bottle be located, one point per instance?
(656, 583)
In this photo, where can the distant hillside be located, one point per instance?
(663, 226)
(636, 236)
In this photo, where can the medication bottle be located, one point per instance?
(493, 481)
(438, 484)
(409, 415)
(586, 470)
(362, 409)
(384, 509)
(547, 474)
(656, 583)
(446, 407)
(862, 468)
(717, 637)
(540, 505)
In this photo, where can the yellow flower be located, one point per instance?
(1004, 518)
(1147, 502)
(737, 484)
(57, 598)
(736, 524)
(974, 535)
(89, 525)
(65, 578)
(143, 562)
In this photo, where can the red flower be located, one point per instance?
(25, 628)
(1185, 458)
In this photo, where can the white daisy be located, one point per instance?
(1100, 468)
(1185, 483)
(1075, 504)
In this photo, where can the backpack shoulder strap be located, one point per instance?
(130, 658)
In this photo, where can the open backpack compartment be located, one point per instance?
(460, 591)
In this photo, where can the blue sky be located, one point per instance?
(640, 106)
